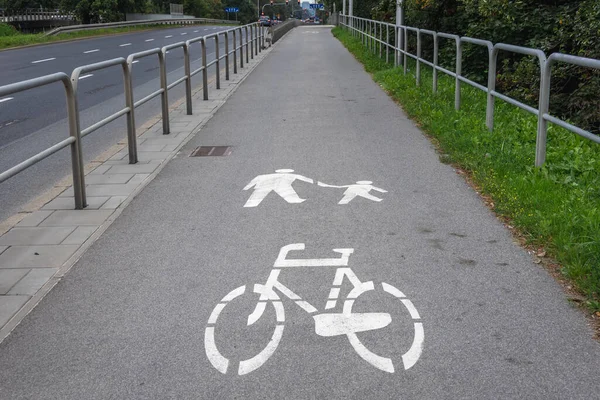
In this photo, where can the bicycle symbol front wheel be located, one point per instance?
(411, 356)
(222, 363)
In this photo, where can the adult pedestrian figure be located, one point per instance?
(280, 182)
(360, 188)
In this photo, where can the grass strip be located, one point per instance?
(556, 208)
(18, 40)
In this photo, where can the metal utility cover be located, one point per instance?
(216, 151)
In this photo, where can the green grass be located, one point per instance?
(10, 38)
(556, 207)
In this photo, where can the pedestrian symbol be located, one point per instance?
(281, 182)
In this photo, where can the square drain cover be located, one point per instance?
(216, 151)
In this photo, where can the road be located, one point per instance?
(159, 306)
(33, 120)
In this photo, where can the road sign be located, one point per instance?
(317, 6)
(232, 9)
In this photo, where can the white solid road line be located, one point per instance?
(85, 76)
(6, 99)
(91, 51)
(125, 44)
(148, 40)
(44, 60)
(168, 36)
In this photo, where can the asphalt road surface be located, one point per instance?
(159, 306)
(36, 119)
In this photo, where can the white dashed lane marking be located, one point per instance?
(184, 33)
(6, 99)
(168, 36)
(91, 51)
(44, 60)
(195, 31)
(148, 40)
(86, 76)
(136, 61)
(125, 44)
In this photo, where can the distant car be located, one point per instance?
(264, 21)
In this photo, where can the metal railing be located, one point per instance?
(367, 30)
(253, 43)
(31, 14)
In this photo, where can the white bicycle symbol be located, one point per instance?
(326, 324)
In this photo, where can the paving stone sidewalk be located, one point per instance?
(40, 249)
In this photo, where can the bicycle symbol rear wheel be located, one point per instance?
(220, 362)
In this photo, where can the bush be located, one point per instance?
(7, 30)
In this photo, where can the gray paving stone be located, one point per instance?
(68, 203)
(33, 281)
(35, 218)
(153, 155)
(153, 147)
(35, 235)
(36, 256)
(133, 168)
(108, 179)
(9, 305)
(111, 190)
(170, 147)
(122, 162)
(9, 277)
(176, 139)
(120, 155)
(80, 235)
(113, 202)
(137, 179)
(99, 170)
(77, 217)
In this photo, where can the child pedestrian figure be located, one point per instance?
(360, 189)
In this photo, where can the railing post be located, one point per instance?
(380, 40)
(226, 55)
(256, 39)
(247, 45)
(489, 115)
(418, 57)
(76, 153)
(234, 51)
(204, 69)
(458, 74)
(544, 105)
(435, 62)
(164, 98)
(405, 47)
(217, 62)
(241, 49)
(251, 42)
(387, 44)
(131, 137)
(188, 78)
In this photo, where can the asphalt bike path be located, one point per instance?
(325, 253)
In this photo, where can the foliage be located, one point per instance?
(93, 11)
(556, 207)
(7, 30)
(566, 26)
